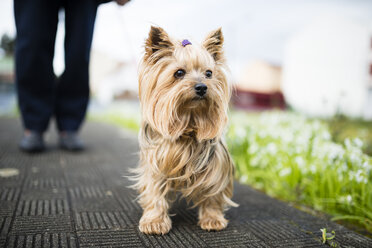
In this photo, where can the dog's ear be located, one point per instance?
(214, 44)
(158, 40)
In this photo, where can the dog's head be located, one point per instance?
(183, 87)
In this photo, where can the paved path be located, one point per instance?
(62, 199)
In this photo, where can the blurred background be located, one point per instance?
(318, 54)
(301, 119)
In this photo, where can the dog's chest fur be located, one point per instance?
(183, 161)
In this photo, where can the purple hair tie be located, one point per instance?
(186, 42)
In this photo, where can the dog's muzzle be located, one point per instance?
(200, 89)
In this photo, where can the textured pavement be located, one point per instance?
(62, 199)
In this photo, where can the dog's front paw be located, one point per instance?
(213, 224)
(159, 226)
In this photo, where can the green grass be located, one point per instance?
(297, 159)
(342, 128)
(131, 123)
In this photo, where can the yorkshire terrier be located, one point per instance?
(184, 95)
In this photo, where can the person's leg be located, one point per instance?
(36, 24)
(73, 87)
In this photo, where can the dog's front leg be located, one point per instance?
(155, 219)
(211, 217)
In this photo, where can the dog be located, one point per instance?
(184, 94)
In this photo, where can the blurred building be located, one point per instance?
(327, 68)
(112, 78)
(258, 87)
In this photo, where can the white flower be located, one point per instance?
(255, 161)
(243, 179)
(358, 142)
(271, 148)
(366, 166)
(355, 159)
(313, 168)
(285, 171)
(240, 132)
(334, 151)
(262, 134)
(360, 177)
(326, 135)
(346, 199)
(253, 148)
(351, 176)
(347, 143)
(344, 167)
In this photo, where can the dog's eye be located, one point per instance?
(208, 73)
(179, 73)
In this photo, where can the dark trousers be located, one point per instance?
(40, 94)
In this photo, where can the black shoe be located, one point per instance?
(70, 141)
(32, 142)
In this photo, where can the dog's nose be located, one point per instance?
(200, 89)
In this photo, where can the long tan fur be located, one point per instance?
(181, 143)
